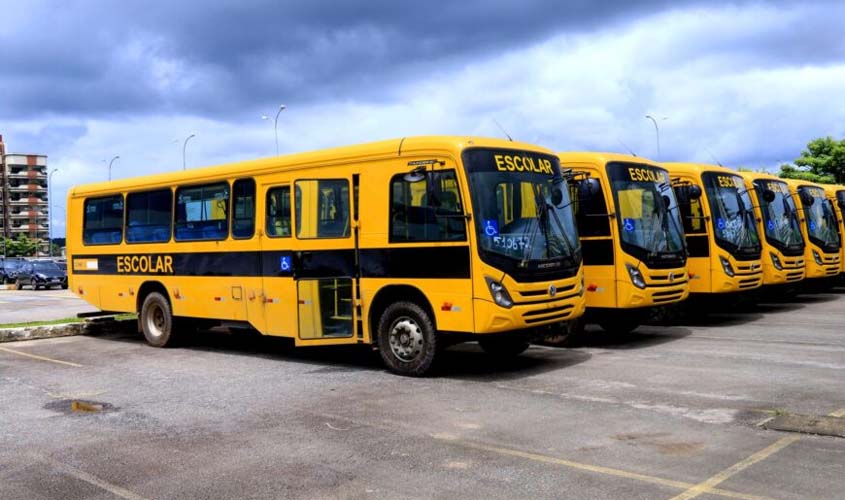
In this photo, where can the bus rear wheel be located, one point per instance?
(406, 339)
(157, 320)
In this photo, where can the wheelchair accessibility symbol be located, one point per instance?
(720, 223)
(771, 225)
(491, 227)
(628, 225)
(284, 263)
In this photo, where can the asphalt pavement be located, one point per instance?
(23, 306)
(668, 412)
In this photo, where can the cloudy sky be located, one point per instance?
(747, 83)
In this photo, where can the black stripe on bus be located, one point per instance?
(419, 262)
(416, 262)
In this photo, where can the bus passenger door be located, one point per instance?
(324, 260)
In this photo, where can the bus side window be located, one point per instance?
(691, 211)
(278, 212)
(202, 212)
(103, 220)
(243, 216)
(427, 210)
(149, 216)
(591, 211)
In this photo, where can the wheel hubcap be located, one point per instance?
(406, 339)
(155, 321)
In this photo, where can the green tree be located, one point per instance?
(20, 247)
(824, 156)
(788, 171)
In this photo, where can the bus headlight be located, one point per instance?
(726, 266)
(500, 294)
(776, 261)
(817, 258)
(636, 276)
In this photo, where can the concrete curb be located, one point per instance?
(91, 327)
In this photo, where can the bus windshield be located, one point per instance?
(821, 219)
(780, 217)
(522, 212)
(731, 214)
(646, 210)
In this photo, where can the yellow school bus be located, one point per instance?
(408, 244)
(721, 231)
(819, 228)
(778, 223)
(836, 195)
(631, 236)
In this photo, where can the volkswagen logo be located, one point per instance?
(552, 290)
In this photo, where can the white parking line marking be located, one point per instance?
(90, 479)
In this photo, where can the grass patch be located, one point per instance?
(42, 323)
(64, 321)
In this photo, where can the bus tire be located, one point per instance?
(503, 346)
(157, 320)
(406, 339)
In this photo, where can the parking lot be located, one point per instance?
(669, 412)
(23, 306)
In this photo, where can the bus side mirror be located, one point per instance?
(694, 192)
(768, 195)
(806, 199)
(667, 202)
(588, 188)
(557, 196)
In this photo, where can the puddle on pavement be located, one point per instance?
(79, 407)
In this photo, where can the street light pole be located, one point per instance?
(656, 132)
(50, 209)
(185, 145)
(110, 162)
(276, 125)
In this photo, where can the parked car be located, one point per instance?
(41, 273)
(9, 269)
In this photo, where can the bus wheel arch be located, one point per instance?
(402, 325)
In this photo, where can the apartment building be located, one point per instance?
(23, 194)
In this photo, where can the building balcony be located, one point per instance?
(27, 188)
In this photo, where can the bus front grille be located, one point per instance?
(559, 313)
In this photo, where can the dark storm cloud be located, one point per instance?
(89, 58)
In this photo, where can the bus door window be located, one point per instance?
(694, 220)
(426, 210)
(325, 300)
(322, 209)
(243, 215)
(202, 212)
(593, 220)
(278, 212)
(590, 208)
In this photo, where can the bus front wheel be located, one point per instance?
(157, 320)
(406, 339)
